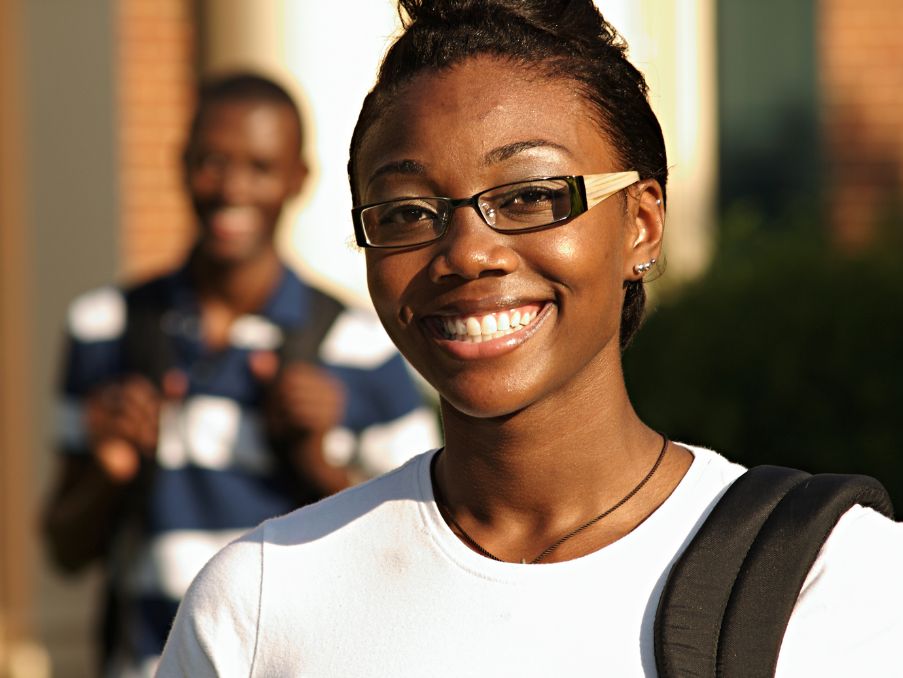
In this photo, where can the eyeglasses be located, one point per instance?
(517, 207)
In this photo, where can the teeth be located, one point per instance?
(473, 327)
(490, 326)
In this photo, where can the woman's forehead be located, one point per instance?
(479, 111)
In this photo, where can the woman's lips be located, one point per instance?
(478, 328)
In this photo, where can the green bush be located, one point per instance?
(786, 352)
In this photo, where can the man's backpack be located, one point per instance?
(728, 598)
(149, 349)
(147, 344)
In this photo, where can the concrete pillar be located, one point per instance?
(673, 43)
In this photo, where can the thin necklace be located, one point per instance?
(447, 514)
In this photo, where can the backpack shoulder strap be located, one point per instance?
(303, 343)
(768, 584)
(147, 349)
(692, 604)
(706, 625)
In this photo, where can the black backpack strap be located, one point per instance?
(728, 598)
(690, 610)
(147, 348)
(773, 573)
(303, 343)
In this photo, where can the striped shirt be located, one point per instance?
(215, 476)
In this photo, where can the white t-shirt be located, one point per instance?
(372, 582)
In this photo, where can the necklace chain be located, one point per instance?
(447, 514)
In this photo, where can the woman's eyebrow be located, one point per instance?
(507, 151)
(410, 167)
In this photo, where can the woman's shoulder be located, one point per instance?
(222, 609)
(368, 502)
(847, 620)
(215, 630)
(709, 475)
(362, 503)
(863, 543)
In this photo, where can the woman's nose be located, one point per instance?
(470, 249)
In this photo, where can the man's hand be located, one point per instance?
(302, 403)
(302, 398)
(122, 418)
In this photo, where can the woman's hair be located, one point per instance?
(563, 39)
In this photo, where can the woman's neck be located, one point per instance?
(540, 455)
(522, 481)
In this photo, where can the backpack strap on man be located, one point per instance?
(303, 343)
(147, 348)
(728, 598)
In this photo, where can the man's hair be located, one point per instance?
(566, 39)
(243, 88)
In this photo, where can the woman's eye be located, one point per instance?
(528, 198)
(406, 214)
(533, 195)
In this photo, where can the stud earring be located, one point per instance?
(643, 268)
(658, 202)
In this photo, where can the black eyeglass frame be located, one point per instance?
(585, 192)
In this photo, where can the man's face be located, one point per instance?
(242, 165)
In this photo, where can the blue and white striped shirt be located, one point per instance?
(215, 476)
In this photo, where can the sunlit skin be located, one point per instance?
(540, 433)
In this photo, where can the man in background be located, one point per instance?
(199, 403)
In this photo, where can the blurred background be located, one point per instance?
(775, 319)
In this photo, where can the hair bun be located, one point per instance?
(567, 19)
(440, 11)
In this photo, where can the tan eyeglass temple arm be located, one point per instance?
(602, 186)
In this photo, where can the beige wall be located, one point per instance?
(673, 42)
(69, 234)
(16, 592)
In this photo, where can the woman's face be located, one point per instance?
(478, 125)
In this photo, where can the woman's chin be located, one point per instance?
(482, 406)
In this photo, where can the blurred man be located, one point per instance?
(204, 401)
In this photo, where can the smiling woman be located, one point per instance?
(463, 267)
(509, 181)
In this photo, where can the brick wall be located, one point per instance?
(156, 78)
(861, 67)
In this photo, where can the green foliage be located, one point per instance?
(786, 352)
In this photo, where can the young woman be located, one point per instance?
(509, 177)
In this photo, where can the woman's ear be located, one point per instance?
(646, 211)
